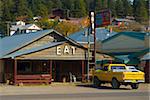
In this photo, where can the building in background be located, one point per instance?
(20, 27)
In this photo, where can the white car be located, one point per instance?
(132, 69)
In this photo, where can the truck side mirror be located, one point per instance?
(105, 68)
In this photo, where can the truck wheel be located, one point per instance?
(134, 86)
(96, 82)
(115, 84)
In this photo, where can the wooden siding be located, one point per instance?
(52, 37)
(123, 44)
(51, 53)
(44, 40)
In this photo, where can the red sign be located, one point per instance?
(103, 18)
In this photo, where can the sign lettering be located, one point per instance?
(65, 50)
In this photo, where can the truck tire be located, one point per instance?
(135, 86)
(115, 84)
(96, 82)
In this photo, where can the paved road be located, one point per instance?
(81, 96)
(73, 93)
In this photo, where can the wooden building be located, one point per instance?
(145, 63)
(131, 47)
(41, 57)
(58, 13)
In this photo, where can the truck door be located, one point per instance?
(105, 74)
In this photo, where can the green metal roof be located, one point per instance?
(137, 35)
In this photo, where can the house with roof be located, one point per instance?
(121, 21)
(20, 27)
(127, 46)
(125, 43)
(83, 38)
(42, 57)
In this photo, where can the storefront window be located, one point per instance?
(33, 67)
(24, 67)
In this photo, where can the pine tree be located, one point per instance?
(82, 7)
(140, 11)
(98, 5)
(135, 2)
(119, 8)
(104, 4)
(22, 8)
(79, 7)
(49, 4)
(111, 7)
(39, 8)
(32, 6)
(127, 7)
(57, 3)
(1, 3)
(7, 10)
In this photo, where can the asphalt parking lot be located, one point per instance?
(73, 92)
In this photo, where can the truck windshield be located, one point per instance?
(117, 67)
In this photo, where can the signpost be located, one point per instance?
(92, 21)
(102, 18)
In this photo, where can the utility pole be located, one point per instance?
(88, 65)
(91, 50)
(93, 32)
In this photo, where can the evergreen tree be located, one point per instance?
(135, 2)
(32, 6)
(7, 10)
(141, 11)
(80, 9)
(39, 8)
(98, 5)
(49, 4)
(111, 7)
(1, 9)
(57, 3)
(104, 4)
(127, 7)
(68, 4)
(119, 8)
(22, 8)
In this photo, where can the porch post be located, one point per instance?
(83, 70)
(50, 70)
(15, 71)
(6, 69)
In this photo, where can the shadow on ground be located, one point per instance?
(103, 87)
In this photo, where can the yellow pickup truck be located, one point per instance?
(117, 75)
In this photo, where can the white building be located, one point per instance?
(20, 27)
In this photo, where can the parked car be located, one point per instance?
(117, 75)
(132, 69)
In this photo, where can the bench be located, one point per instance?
(43, 78)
